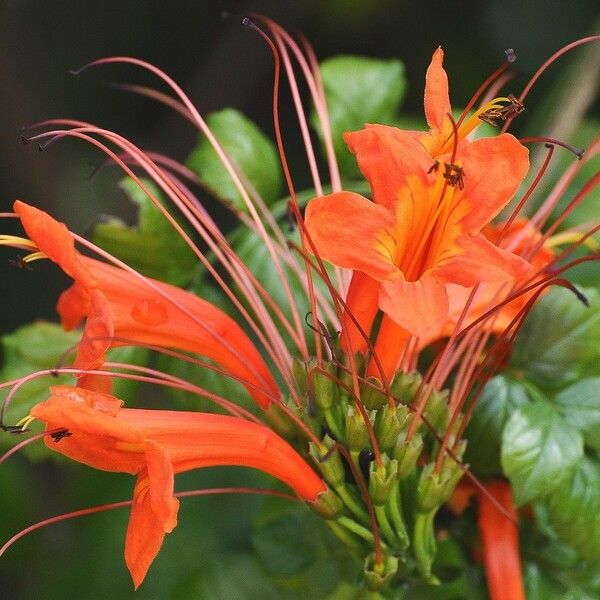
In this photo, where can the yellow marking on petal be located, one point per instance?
(570, 237)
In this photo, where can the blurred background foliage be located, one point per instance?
(213, 553)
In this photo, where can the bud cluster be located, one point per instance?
(380, 464)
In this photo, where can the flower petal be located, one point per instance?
(162, 482)
(145, 534)
(494, 168)
(362, 302)
(386, 156)
(352, 232)
(480, 261)
(420, 307)
(437, 99)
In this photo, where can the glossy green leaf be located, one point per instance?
(574, 509)
(251, 151)
(580, 406)
(31, 348)
(560, 341)
(359, 90)
(500, 398)
(313, 564)
(539, 449)
(152, 247)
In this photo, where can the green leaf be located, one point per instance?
(299, 554)
(31, 348)
(539, 449)
(359, 90)
(560, 341)
(152, 247)
(252, 153)
(500, 398)
(579, 404)
(574, 509)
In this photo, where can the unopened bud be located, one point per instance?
(372, 394)
(407, 453)
(436, 410)
(325, 389)
(346, 374)
(378, 575)
(388, 425)
(405, 385)
(383, 477)
(357, 434)
(327, 504)
(434, 488)
(328, 461)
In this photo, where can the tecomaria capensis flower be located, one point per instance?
(419, 233)
(118, 303)
(93, 428)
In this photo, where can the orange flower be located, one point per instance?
(157, 444)
(521, 238)
(119, 304)
(422, 230)
(500, 541)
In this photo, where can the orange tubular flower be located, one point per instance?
(419, 233)
(157, 444)
(500, 540)
(119, 304)
(422, 230)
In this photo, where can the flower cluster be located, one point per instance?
(427, 291)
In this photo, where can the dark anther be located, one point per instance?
(581, 297)
(454, 174)
(13, 429)
(59, 435)
(434, 167)
(511, 55)
(291, 217)
(20, 263)
(494, 116)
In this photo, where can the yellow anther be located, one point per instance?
(17, 242)
(571, 237)
(25, 422)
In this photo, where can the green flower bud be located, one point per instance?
(346, 374)
(325, 389)
(382, 478)
(300, 369)
(328, 461)
(372, 394)
(357, 434)
(388, 425)
(378, 576)
(436, 410)
(407, 453)
(405, 385)
(327, 505)
(433, 488)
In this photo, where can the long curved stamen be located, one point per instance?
(201, 124)
(545, 65)
(126, 503)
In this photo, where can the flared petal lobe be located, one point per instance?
(157, 444)
(353, 232)
(117, 303)
(494, 169)
(386, 156)
(437, 98)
